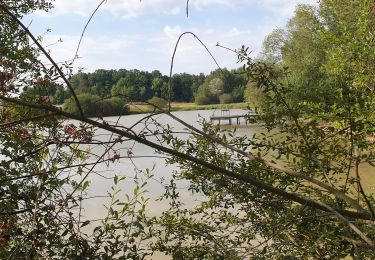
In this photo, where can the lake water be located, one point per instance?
(144, 157)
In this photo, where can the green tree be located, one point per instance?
(89, 104)
(101, 82)
(39, 199)
(324, 50)
(80, 83)
(114, 106)
(204, 95)
(349, 27)
(273, 45)
(293, 153)
(254, 95)
(182, 88)
(302, 50)
(221, 86)
(318, 126)
(238, 94)
(60, 95)
(157, 86)
(216, 86)
(291, 191)
(134, 86)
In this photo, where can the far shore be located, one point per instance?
(138, 108)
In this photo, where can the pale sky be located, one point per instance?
(134, 34)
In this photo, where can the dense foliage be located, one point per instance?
(43, 166)
(94, 106)
(327, 49)
(139, 86)
(314, 88)
(293, 190)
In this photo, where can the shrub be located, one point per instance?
(226, 98)
(94, 106)
(88, 103)
(254, 95)
(114, 106)
(159, 102)
(204, 96)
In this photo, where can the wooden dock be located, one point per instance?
(226, 116)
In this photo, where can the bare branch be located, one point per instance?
(172, 62)
(84, 29)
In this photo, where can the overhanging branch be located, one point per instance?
(247, 179)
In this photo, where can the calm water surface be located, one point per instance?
(143, 158)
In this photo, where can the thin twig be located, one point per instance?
(84, 29)
(172, 62)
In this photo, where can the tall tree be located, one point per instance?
(101, 82)
(134, 86)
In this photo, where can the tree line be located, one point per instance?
(117, 87)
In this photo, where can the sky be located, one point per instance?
(134, 34)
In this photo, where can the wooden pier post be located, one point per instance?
(230, 117)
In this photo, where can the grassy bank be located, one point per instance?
(137, 108)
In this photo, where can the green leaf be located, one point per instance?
(136, 190)
(85, 185)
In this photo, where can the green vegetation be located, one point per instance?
(158, 102)
(94, 106)
(291, 191)
(326, 51)
(137, 108)
(222, 86)
(313, 85)
(219, 87)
